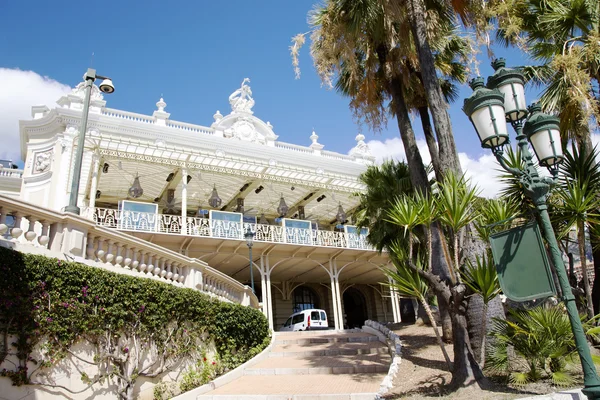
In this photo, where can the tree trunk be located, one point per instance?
(475, 320)
(435, 100)
(431, 142)
(437, 333)
(418, 177)
(465, 371)
(582, 260)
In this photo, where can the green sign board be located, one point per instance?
(522, 264)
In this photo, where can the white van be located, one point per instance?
(311, 319)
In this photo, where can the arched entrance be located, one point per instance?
(355, 308)
(305, 298)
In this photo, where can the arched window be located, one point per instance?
(305, 298)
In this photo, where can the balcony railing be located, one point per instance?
(212, 228)
(32, 229)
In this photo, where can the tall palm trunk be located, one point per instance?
(437, 333)
(438, 106)
(418, 177)
(431, 142)
(582, 259)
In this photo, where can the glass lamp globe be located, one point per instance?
(485, 109)
(511, 83)
(543, 133)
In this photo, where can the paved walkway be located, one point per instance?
(313, 366)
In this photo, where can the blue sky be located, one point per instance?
(195, 53)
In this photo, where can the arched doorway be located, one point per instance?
(355, 308)
(305, 298)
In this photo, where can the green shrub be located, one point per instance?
(55, 304)
(543, 344)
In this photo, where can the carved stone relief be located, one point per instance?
(41, 162)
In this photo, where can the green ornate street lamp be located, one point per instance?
(505, 90)
(107, 87)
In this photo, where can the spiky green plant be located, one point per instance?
(543, 343)
(408, 282)
(455, 198)
(405, 212)
(482, 279)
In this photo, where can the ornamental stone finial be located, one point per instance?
(361, 149)
(315, 144)
(218, 116)
(161, 105)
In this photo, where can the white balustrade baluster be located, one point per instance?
(16, 231)
(159, 265)
(143, 265)
(134, 262)
(44, 238)
(168, 274)
(110, 255)
(100, 251)
(151, 261)
(30, 234)
(90, 247)
(3, 227)
(127, 259)
(119, 257)
(165, 266)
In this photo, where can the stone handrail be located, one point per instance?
(293, 147)
(111, 112)
(11, 173)
(205, 227)
(190, 127)
(33, 229)
(336, 156)
(394, 344)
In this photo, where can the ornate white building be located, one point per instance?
(180, 198)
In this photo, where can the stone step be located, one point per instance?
(328, 349)
(339, 338)
(301, 365)
(350, 396)
(298, 387)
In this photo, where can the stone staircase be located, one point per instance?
(312, 366)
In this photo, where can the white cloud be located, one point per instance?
(483, 171)
(20, 91)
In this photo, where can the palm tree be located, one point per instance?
(563, 35)
(384, 182)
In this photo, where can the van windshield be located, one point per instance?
(288, 322)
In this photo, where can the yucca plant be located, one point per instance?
(482, 279)
(405, 213)
(495, 215)
(455, 198)
(408, 282)
(428, 214)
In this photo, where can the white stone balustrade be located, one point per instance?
(205, 227)
(11, 173)
(32, 229)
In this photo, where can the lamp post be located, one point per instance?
(107, 87)
(489, 109)
(249, 236)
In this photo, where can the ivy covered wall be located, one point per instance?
(131, 328)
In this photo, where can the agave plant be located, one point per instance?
(408, 282)
(482, 279)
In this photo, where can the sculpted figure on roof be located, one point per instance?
(241, 100)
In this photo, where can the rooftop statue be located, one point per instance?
(241, 100)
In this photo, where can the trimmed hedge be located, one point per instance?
(61, 303)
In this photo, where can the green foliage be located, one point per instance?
(455, 202)
(494, 216)
(55, 304)
(482, 278)
(543, 344)
(406, 280)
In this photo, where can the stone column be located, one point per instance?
(263, 287)
(94, 184)
(184, 175)
(270, 317)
